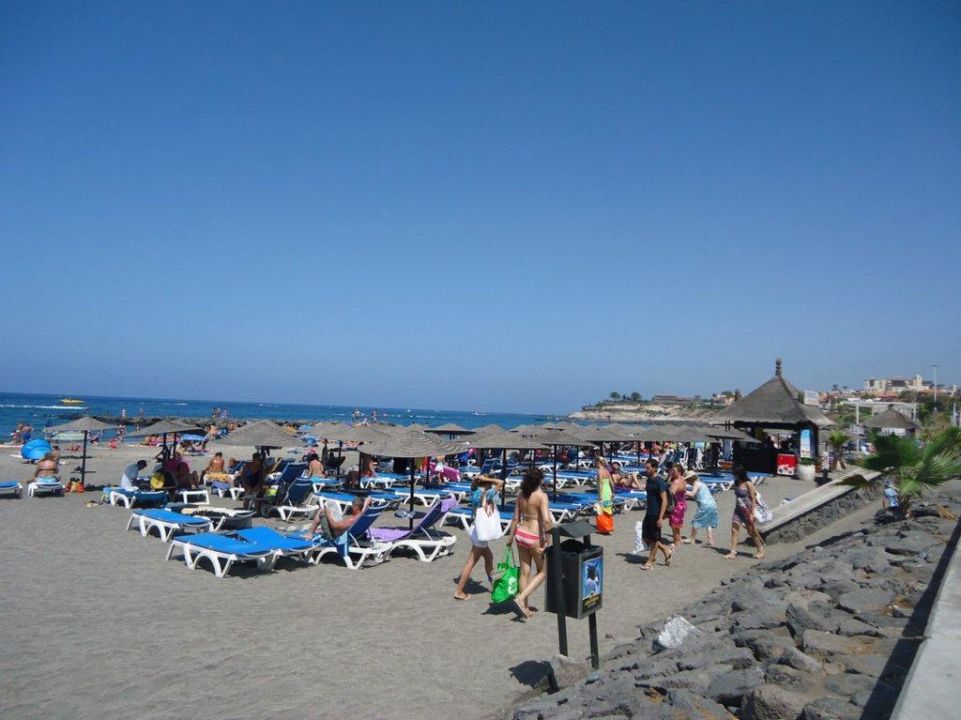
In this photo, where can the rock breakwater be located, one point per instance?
(828, 634)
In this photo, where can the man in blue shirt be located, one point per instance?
(654, 511)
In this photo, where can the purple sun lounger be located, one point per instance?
(426, 542)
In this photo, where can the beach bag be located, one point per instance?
(487, 523)
(157, 481)
(639, 545)
(507, 584)
(762, 513)
(670, 501)
(605, 523)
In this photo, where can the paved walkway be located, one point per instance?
(931, 690)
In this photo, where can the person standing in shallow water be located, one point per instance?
(745, 500)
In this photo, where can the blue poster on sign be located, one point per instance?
(592, 584)
(806, 444)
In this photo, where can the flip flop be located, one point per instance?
(646, 567)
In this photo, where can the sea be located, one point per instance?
(42, 411)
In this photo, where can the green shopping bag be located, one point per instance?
(506, 586)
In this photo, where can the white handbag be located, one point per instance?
(487, 523)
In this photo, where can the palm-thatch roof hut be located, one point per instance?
(775, 405)
(891, 422)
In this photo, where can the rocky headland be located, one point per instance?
(828, 634)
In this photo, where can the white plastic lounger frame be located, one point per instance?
(427, 549)
(166, 528)
(220, 561)
(119, 498)
(35, 489)
(202, 495)
(366, 551)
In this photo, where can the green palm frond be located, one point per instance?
(892, 452)
(838, 439)
(937, 469)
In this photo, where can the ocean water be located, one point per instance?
(44, 410)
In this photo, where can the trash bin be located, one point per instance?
(582, 578)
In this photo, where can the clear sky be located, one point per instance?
(492, 206)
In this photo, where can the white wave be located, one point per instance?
(47, 407)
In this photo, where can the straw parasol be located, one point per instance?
(85, 425)
(263, 434)
(450, 429)
(556, 439)
(408, 445)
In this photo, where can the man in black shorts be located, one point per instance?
(656, 489)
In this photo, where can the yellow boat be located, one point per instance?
(70, 401)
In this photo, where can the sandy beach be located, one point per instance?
(96, 624)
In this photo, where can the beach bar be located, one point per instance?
(776, 406)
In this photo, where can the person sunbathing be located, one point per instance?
(47, 471)
(215, 470)
(332, 524)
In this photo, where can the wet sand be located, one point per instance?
(95, 623)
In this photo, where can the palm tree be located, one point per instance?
(915, 469)
(837, 440)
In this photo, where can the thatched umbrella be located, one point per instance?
(86, 425)
(262, 434)
(490, 427)
(341, 434)
(556, 439)
(408, 445)
(504, 441)
(173, 426)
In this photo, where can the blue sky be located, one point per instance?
(516, 206)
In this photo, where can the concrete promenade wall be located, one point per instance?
(820, 507)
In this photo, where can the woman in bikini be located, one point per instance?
(529, 526)
(745, 500)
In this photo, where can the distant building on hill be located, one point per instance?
(894, 386)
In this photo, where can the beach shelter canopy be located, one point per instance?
(561, 438)
(261, 434)
(83, 425)
(776, 403)
(504, 441)
(69, 436)
(730, 434)
(410, 444)
(450, 429)
(490, 427)
(890, 419)
(168, 427)
(608, 433)
(357, 434)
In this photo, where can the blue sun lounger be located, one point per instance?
(356, 541)
(284, 545)
(130, 498)
(424, 496)
(10, 488)
(222, 551)
(167, 523)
